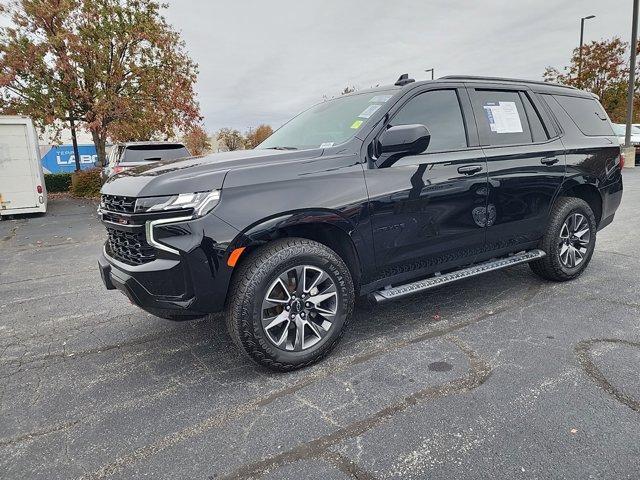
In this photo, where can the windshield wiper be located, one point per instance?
(281, 148)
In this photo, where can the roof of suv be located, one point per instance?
(472, 78)
(536, 85)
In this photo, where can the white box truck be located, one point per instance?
(22, 188)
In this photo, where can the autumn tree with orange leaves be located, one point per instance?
(197, 141)
(116, 66)
(253, 138)
(605, 72)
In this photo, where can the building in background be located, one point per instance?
(58, 157)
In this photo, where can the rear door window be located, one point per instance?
(440, 112)
(587, 114)
(501, 117)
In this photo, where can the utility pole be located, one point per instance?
(430, 70)
(632, 74)
(580, 52)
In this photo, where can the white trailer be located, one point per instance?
(22, 188)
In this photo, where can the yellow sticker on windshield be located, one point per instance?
(356, 124)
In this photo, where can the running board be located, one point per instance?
(438, 280)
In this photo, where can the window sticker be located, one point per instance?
(326, 144)
(380, 98)
(357, 124)
(503, 117)
(370, 110)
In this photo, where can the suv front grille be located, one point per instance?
(116, 203)
(129, 247)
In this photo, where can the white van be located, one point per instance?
(22, 188)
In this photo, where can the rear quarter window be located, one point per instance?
(587, 114)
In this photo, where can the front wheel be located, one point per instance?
(290, 302)
(569, 241)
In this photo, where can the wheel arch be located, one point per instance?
(323, 226)
(587, 191)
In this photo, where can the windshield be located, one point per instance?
(328, 123)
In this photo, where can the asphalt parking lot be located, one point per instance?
(507, 376)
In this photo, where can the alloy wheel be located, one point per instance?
(299, 308)
(575, 236)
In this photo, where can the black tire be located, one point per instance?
(551, 267)
(250, 284)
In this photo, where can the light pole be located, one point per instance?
(581, 41)
(430, 70)
(632, 74)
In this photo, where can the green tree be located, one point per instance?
(116, 66)
(605, 72)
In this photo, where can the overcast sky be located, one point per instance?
(263, 61)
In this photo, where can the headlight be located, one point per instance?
(201, 202)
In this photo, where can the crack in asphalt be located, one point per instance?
(67, 356)
(12, 233)
(583, 352)
(189, 432)
(479, 372)
(46, 277)
(347, 466)
(38, 433)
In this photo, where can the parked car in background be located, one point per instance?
(620, 130)
(132, 154)
(385, 192)
(22, 188)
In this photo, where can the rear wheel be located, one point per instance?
(569, 241)
(289, 304)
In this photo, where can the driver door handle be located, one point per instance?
(549, 160)
(470, 169)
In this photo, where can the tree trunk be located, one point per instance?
(74, 141)
(100, 141)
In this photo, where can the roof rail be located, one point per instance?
(501, 79)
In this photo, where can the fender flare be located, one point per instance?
(271, 228)
(574, 181)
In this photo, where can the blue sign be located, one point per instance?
(60, 159)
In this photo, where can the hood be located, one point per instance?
(194, 174)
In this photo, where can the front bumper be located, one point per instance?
(189, 278)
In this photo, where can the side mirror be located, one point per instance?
(402, 140)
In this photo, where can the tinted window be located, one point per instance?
(153, 153)
(587, 114)
(537, 128)
(501, 117)
(440, 112)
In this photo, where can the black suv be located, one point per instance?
(385, 192)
